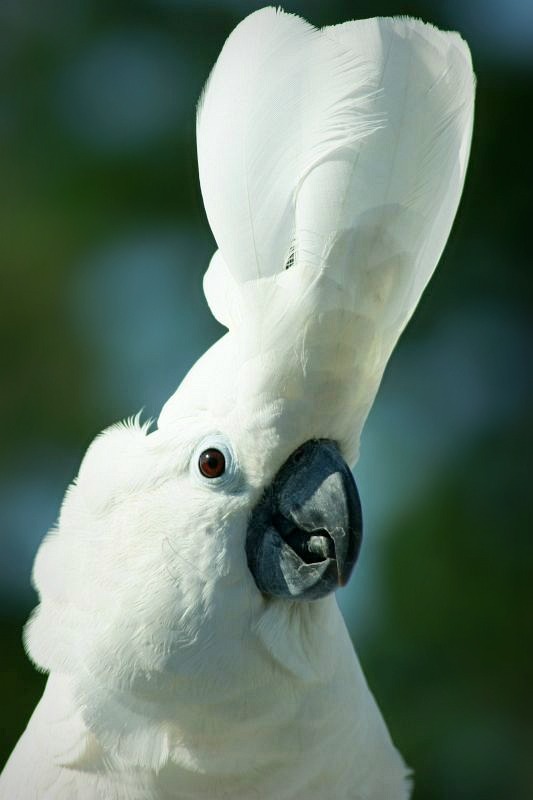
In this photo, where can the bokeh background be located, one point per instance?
(103, 244)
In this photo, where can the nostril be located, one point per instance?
(298, 455)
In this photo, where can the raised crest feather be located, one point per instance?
(281, 98)
(350, 142)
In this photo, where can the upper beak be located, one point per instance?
(305, 533)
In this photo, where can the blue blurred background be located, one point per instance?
(103, 245)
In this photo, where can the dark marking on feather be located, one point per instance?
(290, 258)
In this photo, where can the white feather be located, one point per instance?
(280, 99)
(359, 132)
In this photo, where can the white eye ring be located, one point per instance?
(230, 478)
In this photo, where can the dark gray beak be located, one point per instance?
(305, 533)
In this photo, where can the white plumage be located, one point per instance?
(340, 154)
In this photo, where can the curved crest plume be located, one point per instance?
(343, 148)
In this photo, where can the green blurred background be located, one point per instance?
(103, 244)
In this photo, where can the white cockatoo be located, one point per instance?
(187, 619)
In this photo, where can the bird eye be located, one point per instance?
(212, 463)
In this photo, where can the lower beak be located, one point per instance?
(305, 533)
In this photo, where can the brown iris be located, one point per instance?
(212, 463)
